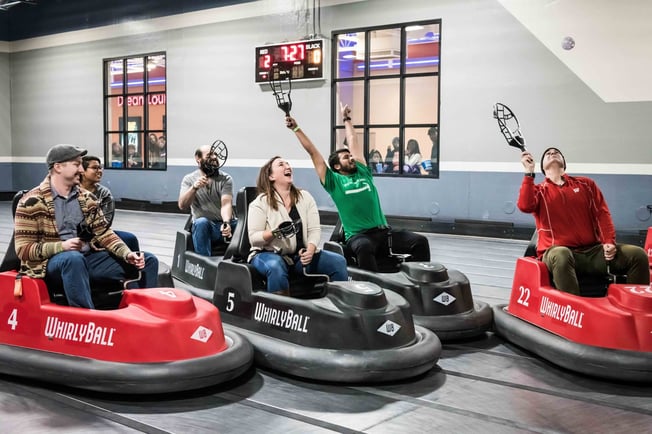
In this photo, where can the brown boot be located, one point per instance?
(285, 292)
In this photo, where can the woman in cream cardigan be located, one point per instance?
(279, 248)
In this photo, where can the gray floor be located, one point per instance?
(484, 385)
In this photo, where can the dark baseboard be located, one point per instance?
(328, 217)
(478, 228)
(481, 228)
(144, 205)
(7, 196)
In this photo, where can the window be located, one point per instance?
(135, 112)
(393, 90)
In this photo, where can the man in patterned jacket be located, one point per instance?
(48, 242)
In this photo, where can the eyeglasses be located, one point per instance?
(96, 168)
(552, 152)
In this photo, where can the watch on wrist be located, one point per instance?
(346, 119)
(530, 174)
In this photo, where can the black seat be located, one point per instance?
(105, 294)
(239, 249)
(217, 249)
(387, 263)
(531, 249)
(591, 285)
(11, 262)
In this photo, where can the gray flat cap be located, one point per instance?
(61, 153)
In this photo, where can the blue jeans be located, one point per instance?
(276, 270)
(205, 232)
(74, 271)
(129, 239)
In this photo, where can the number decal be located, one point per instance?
(13, 319)
(524, 297)
(229, 301)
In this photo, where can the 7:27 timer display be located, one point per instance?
(302, 60)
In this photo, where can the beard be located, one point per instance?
(349, 170)
(211, 168)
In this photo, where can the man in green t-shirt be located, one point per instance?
(350, 184)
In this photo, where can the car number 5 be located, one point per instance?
(230, 304)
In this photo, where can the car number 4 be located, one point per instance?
(13, 319)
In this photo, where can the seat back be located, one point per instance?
(648, 246)
(531, 249)
(338, 232)
(11, 262)
(337, 238)
(217, 249)
(389, 263)
(238, 249)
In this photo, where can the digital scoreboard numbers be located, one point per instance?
(302, 60)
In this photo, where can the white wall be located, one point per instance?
(487, 56)
(612, 52)
(6, 183)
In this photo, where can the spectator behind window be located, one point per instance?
(375, 161)
(412, 157)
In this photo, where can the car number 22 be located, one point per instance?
(524, 296)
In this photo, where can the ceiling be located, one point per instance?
(33, 18)
(613, 41)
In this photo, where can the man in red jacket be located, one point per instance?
(576, 233)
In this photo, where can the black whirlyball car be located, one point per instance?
(440, 299)
(192, 271)
(333, 331)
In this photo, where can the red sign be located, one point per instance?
(138, 100)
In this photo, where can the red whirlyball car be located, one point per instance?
(608, 335)
(138, 341)
(158, 340)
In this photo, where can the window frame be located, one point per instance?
(367, 79)
(143, 123)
